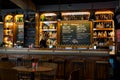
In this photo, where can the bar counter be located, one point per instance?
(93, 63)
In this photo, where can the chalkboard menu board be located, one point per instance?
(20, 33)
(30, 30)
(1, 33)
(75, 33)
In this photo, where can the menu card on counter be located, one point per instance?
(75, 33)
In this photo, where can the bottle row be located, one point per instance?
(48, 18)
(103, 24)
(65, 17)
(104, 16)
(103, 34)
(75, 17)
(103, 42)
(49, 26)
(17, 18)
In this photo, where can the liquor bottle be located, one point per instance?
(95, 34)
(105, 34)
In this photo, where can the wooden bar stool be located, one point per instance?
(60, 61)
(77, 65)
(19, 61)
(74, 75)
(102, 70)
(49, 75)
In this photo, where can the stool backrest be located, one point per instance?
(75, 75)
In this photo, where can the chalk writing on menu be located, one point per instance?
(75, 33)
(1, 33)
(20, 33)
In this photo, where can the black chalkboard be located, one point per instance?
(1, 33)
(20, 33)
(75, 33)
(30, 30)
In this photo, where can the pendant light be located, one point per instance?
(92, 14)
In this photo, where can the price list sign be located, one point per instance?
(20, 33)
(75, 33)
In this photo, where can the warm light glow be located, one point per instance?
(19, 15)
(1, 22)
(104, 12)
(76, 13)
(36, 14)
(8, 17)
(9, 24)
(49, 14)
(112, 53)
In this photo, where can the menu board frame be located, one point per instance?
(77, 24)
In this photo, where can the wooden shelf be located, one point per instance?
(48, 22)
(102, 28)
(103, 20)
(49, 29)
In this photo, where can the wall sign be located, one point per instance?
(75, 33)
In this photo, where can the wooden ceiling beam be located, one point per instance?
(25, 4)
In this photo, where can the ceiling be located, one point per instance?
(51, 2)
(7, 4)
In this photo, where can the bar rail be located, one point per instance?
(84, 52)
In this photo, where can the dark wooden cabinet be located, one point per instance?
(30, 31)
